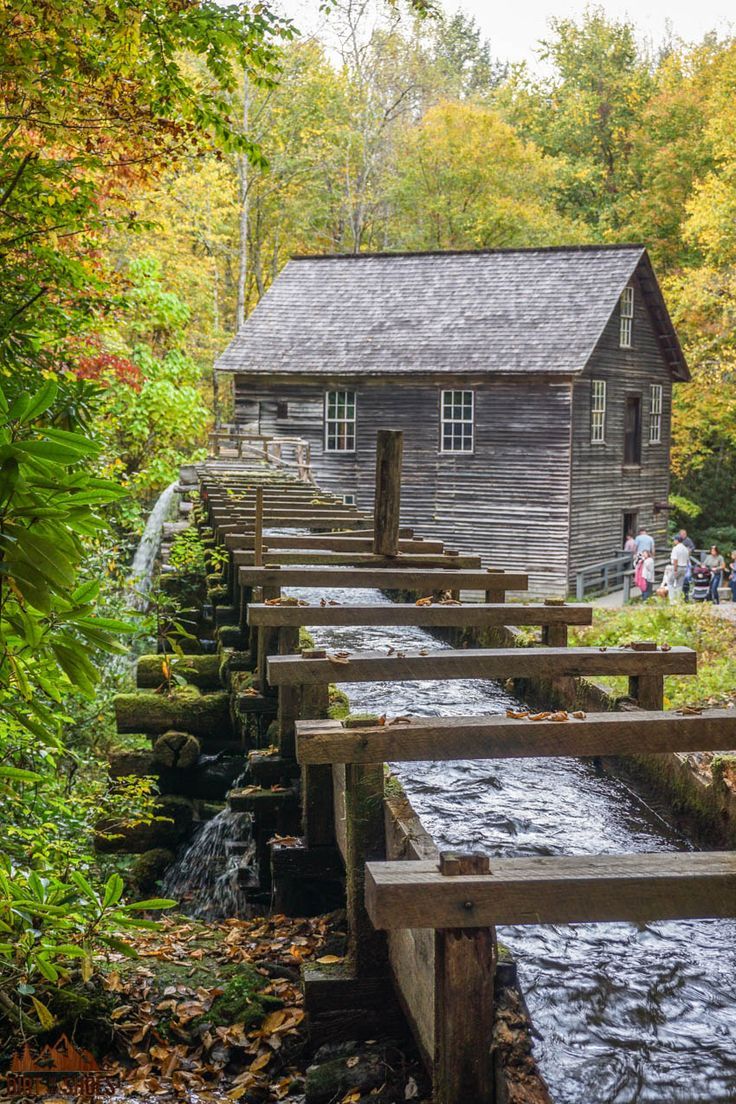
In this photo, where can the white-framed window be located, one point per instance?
(340, 421)
(626, 317)
(655, 414)
(348, 499)
(597, 412)
(457, 411)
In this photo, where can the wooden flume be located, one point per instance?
(427, 920)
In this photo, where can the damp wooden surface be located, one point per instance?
(502, 737)
(559, 889)
(484, 663)
(473, 615)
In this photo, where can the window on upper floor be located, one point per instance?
(597, 412)
(340, 409)
(457, 412)
(655, 414)
(626, 320)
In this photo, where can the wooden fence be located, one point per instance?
(427, 919)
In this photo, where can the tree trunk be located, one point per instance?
(243, 235)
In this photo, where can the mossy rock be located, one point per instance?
(148, 869)
(242, 1000)
(339, 704)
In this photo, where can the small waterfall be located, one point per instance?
(205, 877)
(141, 571)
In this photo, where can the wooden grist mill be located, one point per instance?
(422, 924)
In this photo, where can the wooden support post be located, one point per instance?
(288, 644)
(389, 451)
(647, 690)
(494, 597)
(555, 635)
(465, 963)
(267, 642)
(258, 529)
(318, 813)
(365, 837)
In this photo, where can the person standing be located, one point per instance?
(686, 540)
(732, 575)
(630, 544)
(714, 560)
(643, 542)
(647, 576)
(680, 560)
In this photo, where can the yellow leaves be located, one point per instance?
(352, 1097)
(329, 960)
(261, 1061)
(45, 1016)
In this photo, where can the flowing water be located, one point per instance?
(205, 877)
(141, 570)
(623, 1013)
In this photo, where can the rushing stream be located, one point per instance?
(623, 1013)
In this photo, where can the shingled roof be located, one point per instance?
(505, 311)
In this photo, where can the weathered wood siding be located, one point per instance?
(508, 500)
(603, 488)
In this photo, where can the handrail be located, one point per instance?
(267, 448)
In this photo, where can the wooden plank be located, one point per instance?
(236, 524)
(474, 615)
(484, 663)
(243, 542)
(447, 738)
(561, 889)
(400, 578)
(387, 502)
(451, 561)
(258, 530)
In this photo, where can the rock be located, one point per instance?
(202, 671)
(332, 1080)
(176, 749)
(148, 870)
(169, 832)
(210, 778)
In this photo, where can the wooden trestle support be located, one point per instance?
(424, 921)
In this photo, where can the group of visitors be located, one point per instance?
(680, 572)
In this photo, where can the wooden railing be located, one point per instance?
(285, 452)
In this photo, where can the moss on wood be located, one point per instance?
(202, 671)
(186, 710)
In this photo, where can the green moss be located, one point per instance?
(306, 640)
(392, 785)
(360, 720)
(339, 704)
(242, 1000)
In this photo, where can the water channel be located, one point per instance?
(623, 1013)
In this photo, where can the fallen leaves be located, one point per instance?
(176, 1044)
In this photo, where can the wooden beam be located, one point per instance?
(243, 542)
(235, 524)
(258, 530)
(477, 615)
(362, 559)
(407, 578)
(387, 505)
(446, 738)
(561, 889)
(484, 663)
